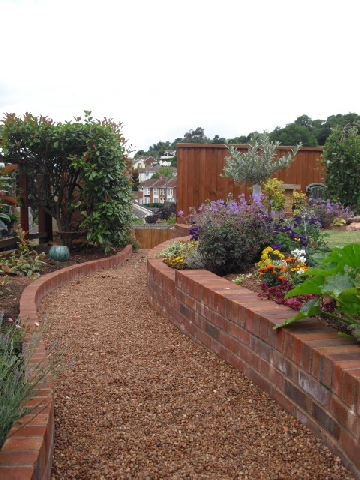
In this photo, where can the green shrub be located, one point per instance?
(231, 234)
(336, 284)
(342, 165)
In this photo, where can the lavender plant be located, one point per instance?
(329, 212)
(231, 234)
(20, 379)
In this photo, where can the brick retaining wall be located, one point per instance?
(28, 451)
(311, 371)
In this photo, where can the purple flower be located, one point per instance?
(180, 213)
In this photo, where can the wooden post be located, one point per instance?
(289, 188)
(24, 210)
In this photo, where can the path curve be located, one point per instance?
(143, 401)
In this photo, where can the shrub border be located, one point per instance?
(27, 453)
(307, 368)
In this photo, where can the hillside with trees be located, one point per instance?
(311, 133)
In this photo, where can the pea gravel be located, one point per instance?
(142, 401)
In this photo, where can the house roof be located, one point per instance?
(163, 182)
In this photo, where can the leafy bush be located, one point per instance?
(231, 234)
(342, 165)
(335, 283)
(25, 261)
(273, 198)
(75, 170)
(176, 253)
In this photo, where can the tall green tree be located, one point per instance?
(76, 172)
(342, 165)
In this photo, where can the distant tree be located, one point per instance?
(304, 121)
(195, 136)
(342, 121)
(218, 140)
(243, 139)
(293, 134)
(165, 172)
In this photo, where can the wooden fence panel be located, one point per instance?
(150, 237)
(199, 167)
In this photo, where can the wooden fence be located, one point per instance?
(152, 235)
(199, 167)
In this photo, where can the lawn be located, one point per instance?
(339, 238)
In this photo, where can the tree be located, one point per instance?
(195, 136)
(259, 163)
(294, 133)
(342, 166)
(243, 139)
(331, 122)
(165, 172)
(76, 172)
(218, 140)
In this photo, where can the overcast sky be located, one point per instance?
(162, 67)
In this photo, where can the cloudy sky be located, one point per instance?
(162, 67)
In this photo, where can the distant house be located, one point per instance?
(142, 162)
(157, 190)
(164, 163)
(168, 155)
(148, 172)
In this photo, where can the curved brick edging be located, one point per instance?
(27, 452)
(307, 368)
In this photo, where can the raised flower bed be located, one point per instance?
(312, 372)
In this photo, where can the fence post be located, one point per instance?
(24, 211)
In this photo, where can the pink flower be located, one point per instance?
(10, 320)
(17, 326)
(37, 324)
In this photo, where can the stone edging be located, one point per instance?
(28, 451)
(307, 368)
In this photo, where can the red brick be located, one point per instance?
(339, 411)
(240, 334)
(351, 447)
(16, 473)
(229, 342)
(349, 388)
(23, 443)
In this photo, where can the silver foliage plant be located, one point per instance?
(259, 163)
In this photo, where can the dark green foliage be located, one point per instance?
(342, 164)
(231, 235)
(293, 134)
(74, 168)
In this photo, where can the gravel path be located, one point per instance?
(142, 401)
